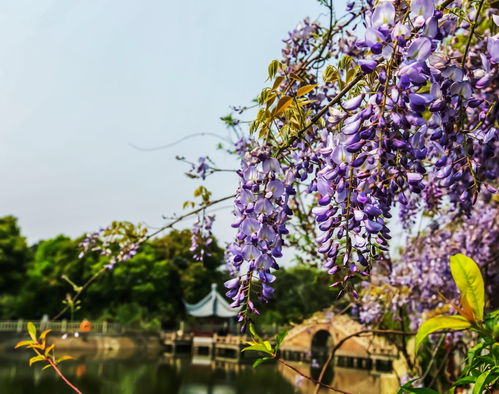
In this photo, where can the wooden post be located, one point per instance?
(64, 326)
(104, 327)
(19, 325)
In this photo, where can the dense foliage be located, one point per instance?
(148, 290)
(389, 109)
(406, 118)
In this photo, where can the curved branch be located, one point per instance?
(187, 137)
(320, 384)
(355, 334)
(193, 212)
(319, 114)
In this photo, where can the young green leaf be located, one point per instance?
(481, 382)
(465, 380)
(469, 281)
(258, 348)
(63, 358)
(440, 323)
(277, 82)
(279, 338)
(417, 390)
(49, 349)
(23, 343)
(305, 89)
(260, 361)
(35, 359)
(44, 334)
(253, 332)
(32, 331)
(273, 68)
(283, 103)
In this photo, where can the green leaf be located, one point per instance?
(260, 361)
(283, 103)
(417, 390)
(48, 350)
(31, 331)
(258, 348)
(279, 338)
(273, 68)
(268, 346)
(35, 359)
(277, 82)
(440, 323)
(481, 381)
(465, 380)
(63, 358)
(305, 89)
(469, 281)
(253, 332)
(23, 343)
(44, 334)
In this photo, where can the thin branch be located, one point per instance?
(433, 355)
(187, 137)
(193, 212)
(355, 334)
(80, 290)
(310, 378)
(472, 32)
(62, 376)
(319, 114)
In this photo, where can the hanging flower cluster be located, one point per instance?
(421, 278)
(407, 117)
(202, 236)
(262, 211)
(119, 242)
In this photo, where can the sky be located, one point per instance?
(82, 81)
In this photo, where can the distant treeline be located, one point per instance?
(146, 290)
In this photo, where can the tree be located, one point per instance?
(14, 256)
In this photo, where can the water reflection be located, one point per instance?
(154, 373)
(140, 374)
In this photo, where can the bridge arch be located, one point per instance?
(321, 340)
(320, 345)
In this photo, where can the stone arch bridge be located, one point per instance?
(313, 339)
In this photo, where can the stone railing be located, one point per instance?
(62, 326)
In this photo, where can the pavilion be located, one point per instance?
(214, 307)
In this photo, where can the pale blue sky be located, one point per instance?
(82, 79)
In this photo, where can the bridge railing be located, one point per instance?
(62, 326)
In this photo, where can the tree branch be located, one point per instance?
(320, 384)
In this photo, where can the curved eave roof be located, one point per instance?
(211, 305)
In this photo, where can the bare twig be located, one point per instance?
(320, 384)
(356, 334)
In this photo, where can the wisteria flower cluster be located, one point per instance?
(262, 211)
(420, 281)
(119, 242)
(202, 236)
(406, 117)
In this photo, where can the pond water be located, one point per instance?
(156, 373)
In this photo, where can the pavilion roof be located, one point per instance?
(213, 304)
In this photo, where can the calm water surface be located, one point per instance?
(155, 373)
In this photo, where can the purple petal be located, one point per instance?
(422, 8)
(493, 48)
(420, 49)
(353, 103)
(384, 14)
